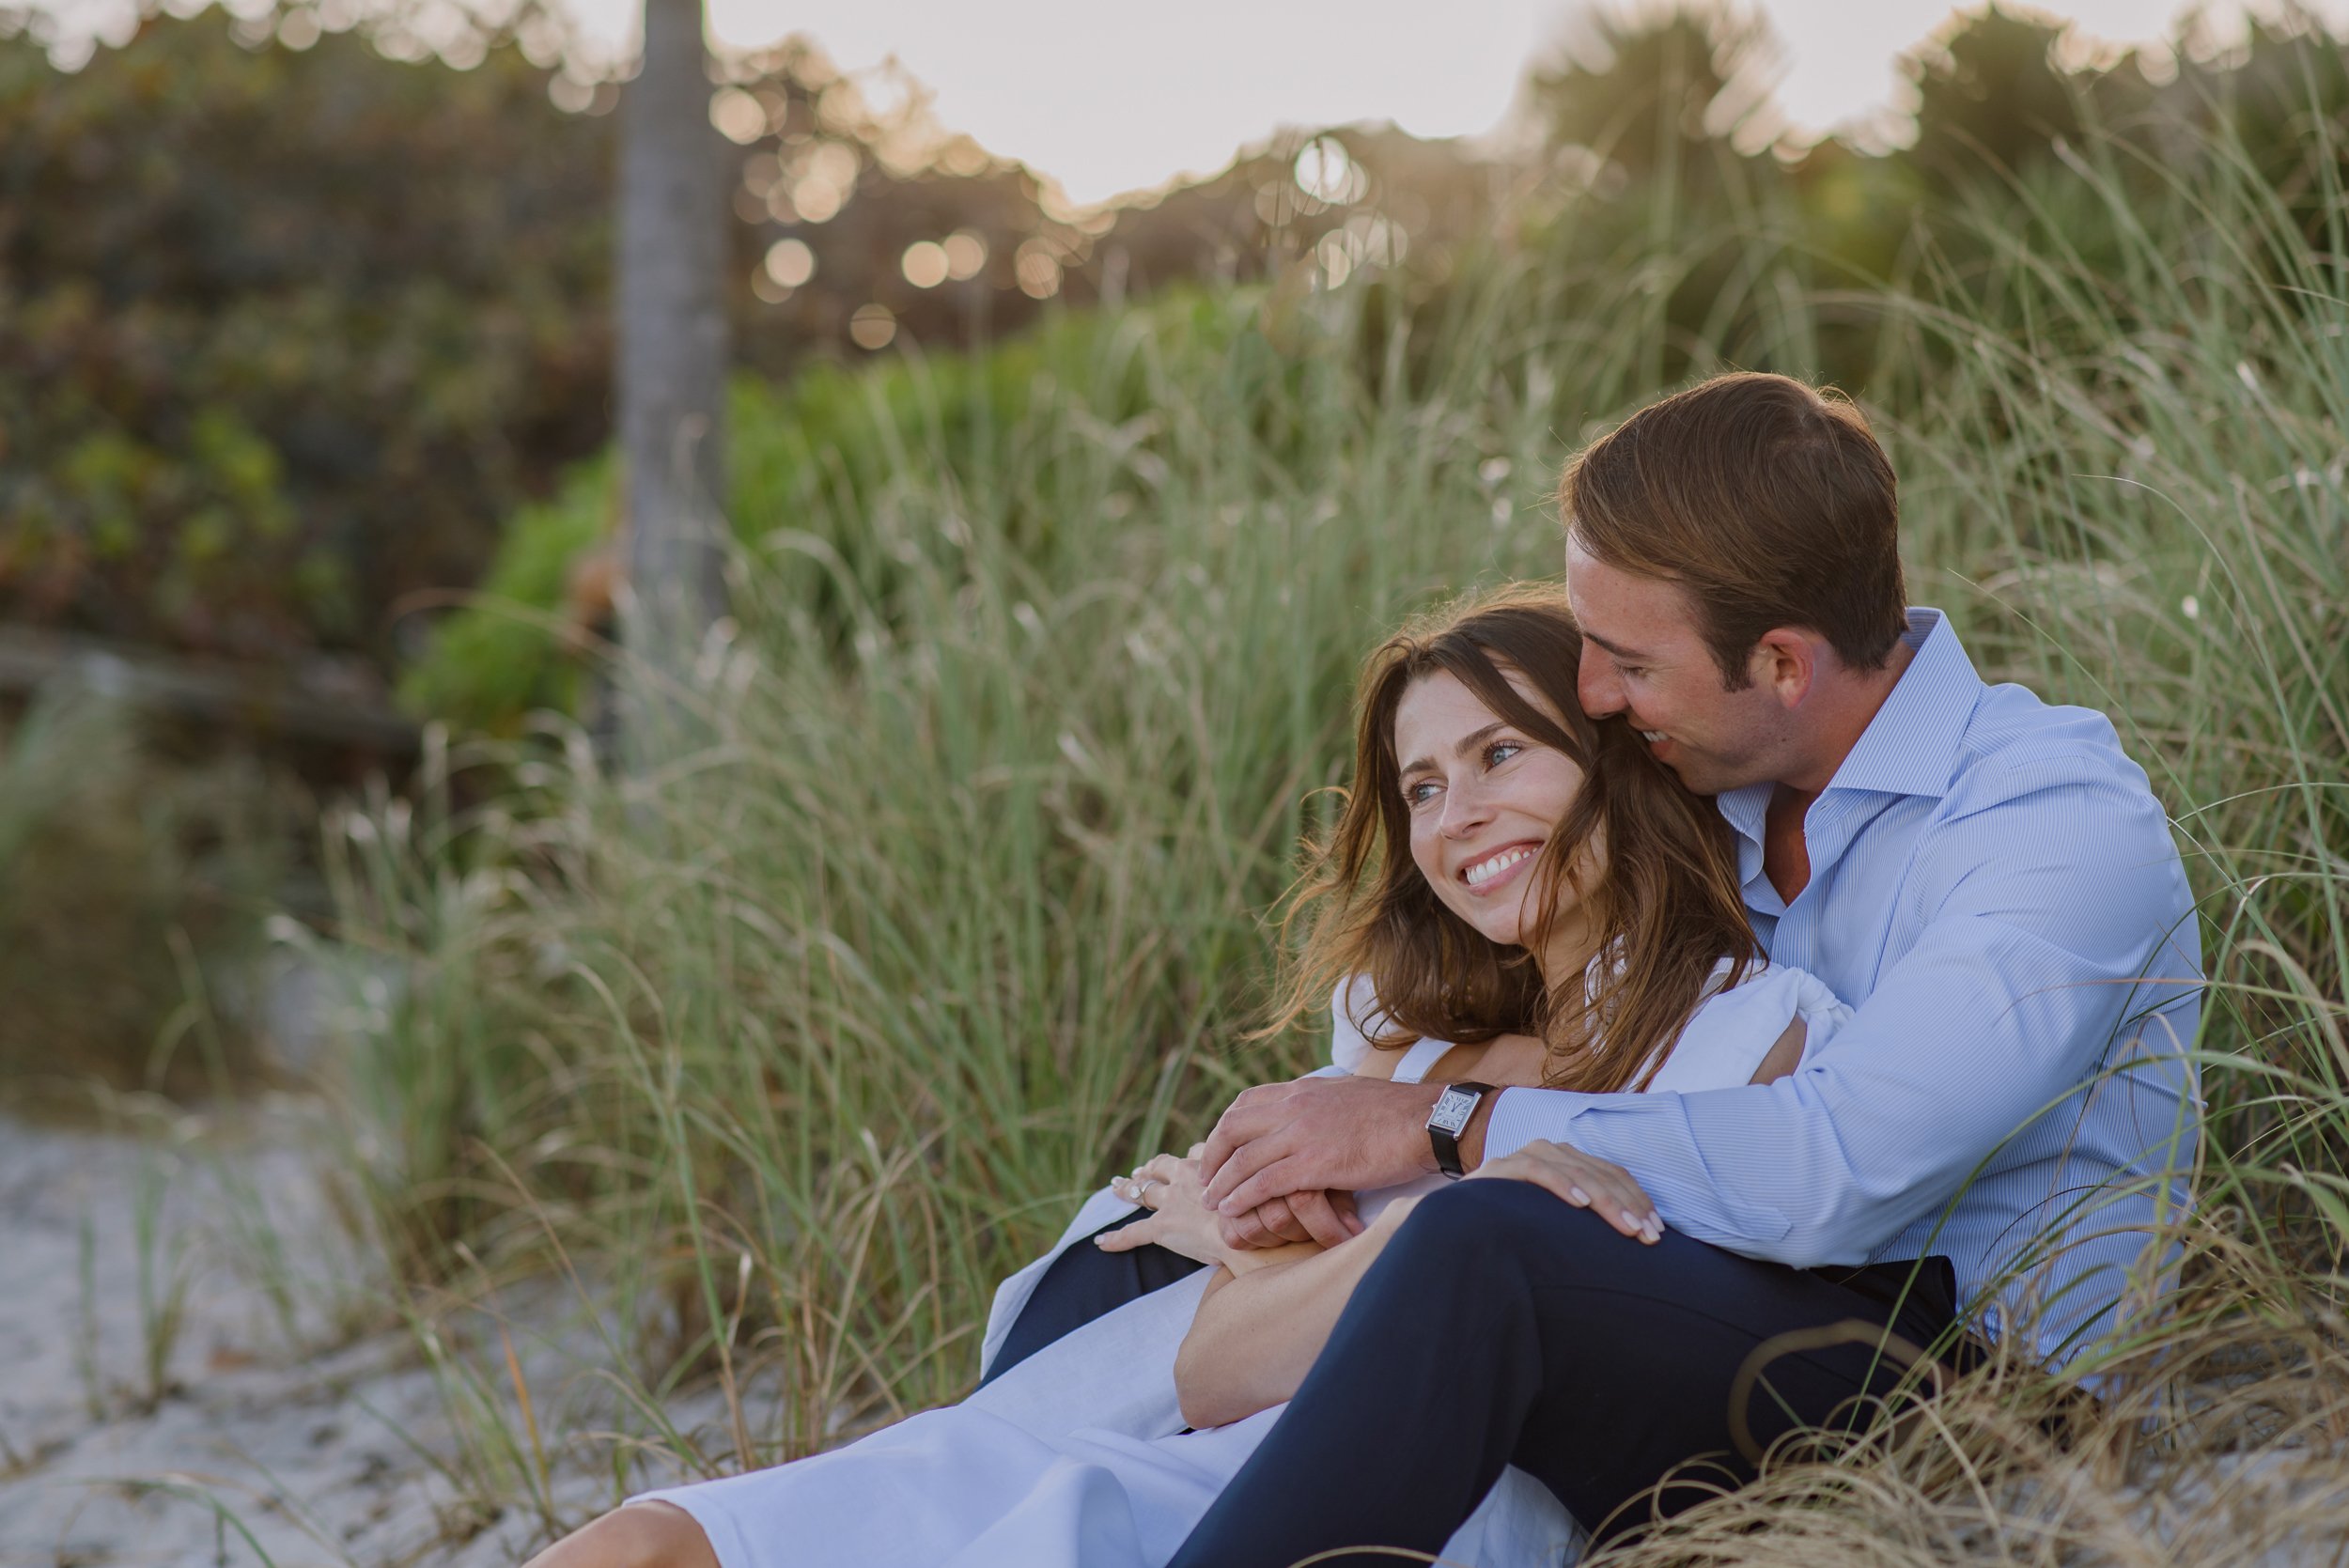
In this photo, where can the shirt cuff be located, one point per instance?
(1522, 1115)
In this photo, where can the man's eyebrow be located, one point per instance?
(1614, 647)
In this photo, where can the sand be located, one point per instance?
(298, 1425)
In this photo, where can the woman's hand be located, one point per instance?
(1172, 1191)
(1583, 1180)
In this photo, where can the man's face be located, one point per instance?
(1644, 657)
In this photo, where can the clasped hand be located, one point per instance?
(1170, 1187)
(1285, 1161)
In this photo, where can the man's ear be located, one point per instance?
(1785, 662)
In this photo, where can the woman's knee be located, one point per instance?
(642, 1535)
(1500, 1215)
(1515, 1231)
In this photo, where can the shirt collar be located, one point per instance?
(1910, 746)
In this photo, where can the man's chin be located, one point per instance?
(1703, 775)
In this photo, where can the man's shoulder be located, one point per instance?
(2018, 746)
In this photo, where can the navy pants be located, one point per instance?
(1503, 1327)
(1083, 1283)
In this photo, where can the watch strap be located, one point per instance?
(1444, 1132)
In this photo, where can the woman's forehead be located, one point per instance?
(1439, 707)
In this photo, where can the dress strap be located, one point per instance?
(1421, 1056)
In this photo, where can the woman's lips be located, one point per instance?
(1526, 852)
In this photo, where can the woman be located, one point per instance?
(1512, 895)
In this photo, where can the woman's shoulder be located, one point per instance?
(1357, 1017)
(1768, 992)
(1740, 1019)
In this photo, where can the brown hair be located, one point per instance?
(1668, 902)
(1768, 501)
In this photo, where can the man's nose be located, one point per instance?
(1596, 684)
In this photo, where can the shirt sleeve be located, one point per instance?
(2048, 908)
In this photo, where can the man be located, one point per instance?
(1986, 878)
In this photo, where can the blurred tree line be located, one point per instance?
(290, 328)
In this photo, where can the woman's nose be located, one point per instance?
(1465, 809)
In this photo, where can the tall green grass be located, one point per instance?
(794, 1049)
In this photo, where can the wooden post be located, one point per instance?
(672, 347)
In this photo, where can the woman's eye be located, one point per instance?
(1418, 794)
(1501, 752)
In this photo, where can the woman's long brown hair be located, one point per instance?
(1666, 902)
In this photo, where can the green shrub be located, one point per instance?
(131, 884)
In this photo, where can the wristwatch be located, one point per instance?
(1449, 1118)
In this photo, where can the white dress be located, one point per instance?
(1077, 1457)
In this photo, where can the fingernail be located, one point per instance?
(1580, 1196)
(1633, 1220)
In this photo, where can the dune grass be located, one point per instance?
(797, 1046)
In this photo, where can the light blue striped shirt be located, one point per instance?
(1995, 890)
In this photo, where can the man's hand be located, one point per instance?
(1314, 1134)
(1327, 1217)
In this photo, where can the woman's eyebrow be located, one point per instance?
(1471, 743)
(1468, 745)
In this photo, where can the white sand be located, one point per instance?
(274, 1441)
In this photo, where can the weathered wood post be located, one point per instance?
(672, 359)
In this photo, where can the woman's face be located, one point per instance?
(1483, 798)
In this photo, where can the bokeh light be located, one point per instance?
(738, 117)
(966, 254)
(1038, 269)
(822, 179)
(1366, 240)
(1328, 173)
(925, 264)
(873, 326)
(790, 263)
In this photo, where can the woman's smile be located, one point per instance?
(1486, 874)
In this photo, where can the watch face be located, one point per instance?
(1452, 1111)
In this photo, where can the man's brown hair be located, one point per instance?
(1770, 502)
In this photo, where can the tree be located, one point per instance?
(672, 329)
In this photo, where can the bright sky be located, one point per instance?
(1111, 96)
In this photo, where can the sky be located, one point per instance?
(1112, 96)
